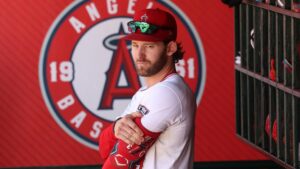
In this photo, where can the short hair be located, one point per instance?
(178, 55)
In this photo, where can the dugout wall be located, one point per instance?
(37, 44)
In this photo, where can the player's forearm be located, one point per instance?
(124, 155)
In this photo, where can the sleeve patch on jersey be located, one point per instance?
(143, 109)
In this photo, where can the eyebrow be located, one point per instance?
(146, 43)
(150, 43)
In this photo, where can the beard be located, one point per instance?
(148, 69)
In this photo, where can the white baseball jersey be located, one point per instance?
(167, 107)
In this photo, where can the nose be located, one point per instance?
(141, 52)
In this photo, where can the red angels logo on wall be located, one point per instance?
(86, 72)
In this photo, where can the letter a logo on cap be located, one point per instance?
(144, 18)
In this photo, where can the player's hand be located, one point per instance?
(126, 129)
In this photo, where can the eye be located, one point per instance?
(134, 45)
(150, 46)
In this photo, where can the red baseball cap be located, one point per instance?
(165, 23)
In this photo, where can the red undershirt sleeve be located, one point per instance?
(107, 140)
(127, 156)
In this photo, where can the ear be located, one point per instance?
(171, 48)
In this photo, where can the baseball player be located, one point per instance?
(156, 129)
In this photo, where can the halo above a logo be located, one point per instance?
(86, 73)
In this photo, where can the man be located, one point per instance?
(156, 129)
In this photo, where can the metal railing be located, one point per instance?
(267, 69)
